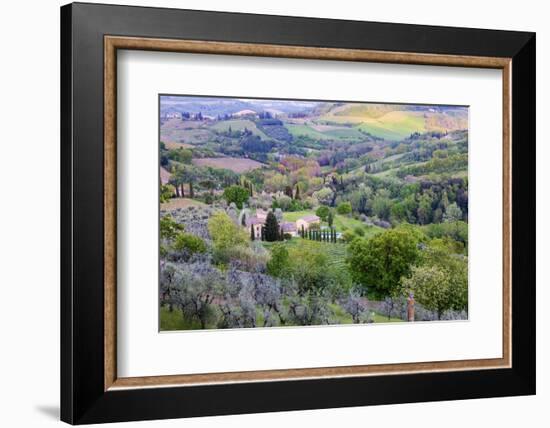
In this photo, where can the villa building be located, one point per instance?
(289, 228)
(307, 222)
(257, 222)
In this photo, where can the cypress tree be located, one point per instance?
(272, 230)
(303, 232)
(330, 218)
(252, 235)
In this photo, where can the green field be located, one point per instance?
(342, 133)
(239, 125)
(341, 222)
(299, 130)
(392, 126)
(395, 125)
(345, 132)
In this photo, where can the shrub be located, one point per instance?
(344, 208)
(279, 265)
(322, 212)
(169, 228)
(167, 191)
(189, 243)
(348, 236)
(224, 232)
(359, 231)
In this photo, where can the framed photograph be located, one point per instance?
(266, 213)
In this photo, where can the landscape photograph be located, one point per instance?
(288, 212)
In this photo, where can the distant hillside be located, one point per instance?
(209, 106)
(397, 121)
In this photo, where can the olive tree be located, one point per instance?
(194, 289)
(439, 289)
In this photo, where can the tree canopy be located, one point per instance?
(236, 194)
(224, 232)
(378, 263)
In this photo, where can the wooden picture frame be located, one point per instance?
(91, 390)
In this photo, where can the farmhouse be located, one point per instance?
(307, 221)
(289, 228)
(257, 224)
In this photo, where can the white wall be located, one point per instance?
(29, 214)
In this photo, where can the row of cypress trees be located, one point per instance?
(324, 235)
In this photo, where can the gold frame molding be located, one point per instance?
(113, 43)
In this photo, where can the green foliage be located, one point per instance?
(224, 232)
(348, 236)
(344, 208)
(378, 263)
(440, 282)
(180, 155)
(381, 206)
(446, 165)
(189, 243)
(359, 231)
(309, 267)
(271, 228)
(236, 194)
(424, 211)
(457, 230)
(439, 288)
(323, 212)
(453, 213)
(279, 265)
(167, 191)
(169, 228)
(330, 218)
